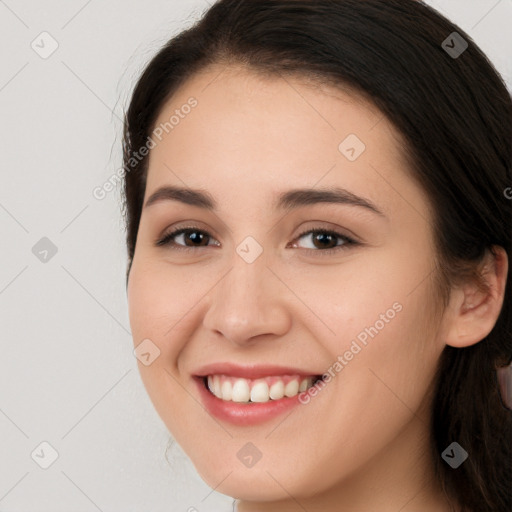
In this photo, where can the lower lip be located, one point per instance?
(244, 414)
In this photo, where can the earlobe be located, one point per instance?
(472, 312)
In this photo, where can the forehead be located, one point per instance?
(232, 95)
(261, 131)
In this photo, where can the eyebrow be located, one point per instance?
(288, 200)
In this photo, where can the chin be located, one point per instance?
(261, 482)
(248, 487)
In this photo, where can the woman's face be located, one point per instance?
(251, 284)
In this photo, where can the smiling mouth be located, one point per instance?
(266, 389)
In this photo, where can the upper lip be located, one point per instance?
(250, 371)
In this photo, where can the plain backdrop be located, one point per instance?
(68, 376)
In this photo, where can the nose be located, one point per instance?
(248, 302)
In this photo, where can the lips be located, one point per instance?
(252, 371)
(259, 398)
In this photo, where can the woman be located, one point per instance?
(318, 236)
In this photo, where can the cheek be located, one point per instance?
(379, 383)
(392, 319)
(161, 301)
(166, 304)
(384, 349)
(159, 304)
(157, 301)
(390, 355)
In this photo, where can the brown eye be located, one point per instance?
(326, 241)
(189, 238)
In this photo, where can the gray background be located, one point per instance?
(67, 371)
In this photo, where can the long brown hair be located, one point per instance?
(455, 114)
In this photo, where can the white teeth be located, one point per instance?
(216, 386)
(292, 388)
(244, 390)
(303, 385)
(227, 390)
(259, 392)
(241, 391)
(277, 390)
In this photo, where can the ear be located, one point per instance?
(472, 313)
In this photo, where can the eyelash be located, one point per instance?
(167, 240)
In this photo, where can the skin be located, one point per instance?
(362, 443)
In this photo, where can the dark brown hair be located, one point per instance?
(455, 115)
